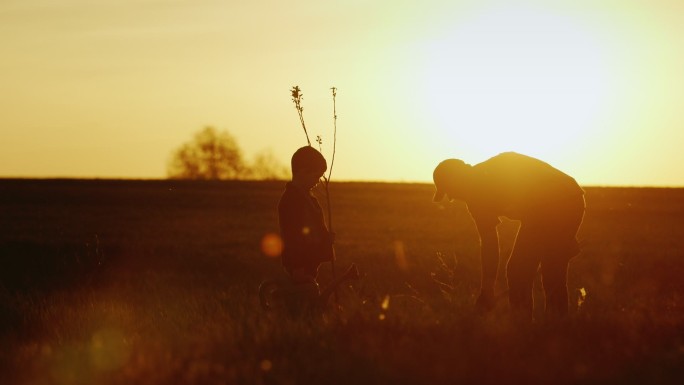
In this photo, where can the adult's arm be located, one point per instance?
(489, 254)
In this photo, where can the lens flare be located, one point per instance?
(400, 256)
(385, 303)
(266, 365)
(272, 245)
(108, 350)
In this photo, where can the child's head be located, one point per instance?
(308, 165)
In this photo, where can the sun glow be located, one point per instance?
(515, 79)
(110, 89)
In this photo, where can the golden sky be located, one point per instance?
(109, 88)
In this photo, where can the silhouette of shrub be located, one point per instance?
(216, 155)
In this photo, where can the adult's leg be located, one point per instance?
(521, 270)
(555, 281)
(561, 245)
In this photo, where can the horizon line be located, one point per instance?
(159, 179)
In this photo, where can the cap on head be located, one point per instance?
(446, 176)
(308, 158)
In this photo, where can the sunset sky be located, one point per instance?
(110, 88)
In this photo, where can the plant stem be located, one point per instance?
(327, 181)
(297, 96)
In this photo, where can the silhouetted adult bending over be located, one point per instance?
(550, 206)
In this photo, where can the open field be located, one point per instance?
(153, 282)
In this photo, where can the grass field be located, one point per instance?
(155, 282)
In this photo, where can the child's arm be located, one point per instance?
(295, 233)
(304, 233)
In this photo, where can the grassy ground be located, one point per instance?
(153, 282)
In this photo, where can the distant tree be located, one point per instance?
(211, 154)
(267, 166)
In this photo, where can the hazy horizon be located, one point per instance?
(369, 181)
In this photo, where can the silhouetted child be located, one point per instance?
(550, 206)
(307, 243)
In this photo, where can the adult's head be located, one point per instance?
(308, 166)
(451, 176)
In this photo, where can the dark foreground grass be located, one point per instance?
(153, 282)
